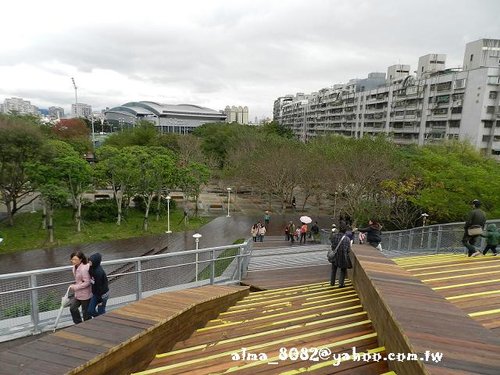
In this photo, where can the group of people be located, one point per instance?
(258, 232)
(341, 240)
(301, 233)
(90, 290)
(473, 230)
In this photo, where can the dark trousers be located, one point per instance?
(334, 274)
(493, 248)
(97, 306)
(302, 237)
(74, 309)
(470, 242)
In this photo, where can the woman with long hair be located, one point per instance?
(81, 288)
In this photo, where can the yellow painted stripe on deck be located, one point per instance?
(460, 296)
(259, 334)
(448, 271)
(481, 313)
(302, 286)
(279, 292)
(320, 365)
(460, 276)
(281, 341)
(466, 284)
(346, 290)
(233, 312)
(227, 324)
(414, 263)
(389, 373)
(466, 261)
(274, 301)
(426, 258)
(276, 359)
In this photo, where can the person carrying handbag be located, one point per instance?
(473, 228)
(339, 257)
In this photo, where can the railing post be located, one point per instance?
(139, 279)
(400, 240)
(239, 263)
(196, 265)
(410, 241)
(212, 267)
(439, 236)
(35, 317)
(429, 238)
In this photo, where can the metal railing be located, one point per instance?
(432, 239)
(30, 300)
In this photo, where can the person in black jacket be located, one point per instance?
(475, 219)
(373, 232)
(99, 280)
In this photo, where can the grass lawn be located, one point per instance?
(27, 232)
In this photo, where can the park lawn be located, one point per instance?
(27, 232)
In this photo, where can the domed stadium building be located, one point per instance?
(168, 118)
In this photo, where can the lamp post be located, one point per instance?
(424, 217)
(196, 237)
(228, 200)
(168, 214)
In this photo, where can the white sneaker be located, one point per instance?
(476, 254)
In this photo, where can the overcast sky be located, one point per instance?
(215, 53)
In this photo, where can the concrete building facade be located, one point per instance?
(168, 118)
(435, 105)
(56, 112)
(237, 114)
(20, 106)
(81, 110)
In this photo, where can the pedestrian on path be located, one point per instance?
(340, 258)
(473, 228)
(315, 231)
(100, 289)
(267, 219)
(254, 232)
(492, 236)
(303, 233)
(81, 288)
(373, 233)
(261, 232)
(291, 231)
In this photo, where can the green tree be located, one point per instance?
(20, 142)
(192, 178)
(75, 132)
(120, 169)
(275, 128)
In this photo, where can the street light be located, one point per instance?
(228, 200)
(168, 214)
(196, 237)
(424, 217)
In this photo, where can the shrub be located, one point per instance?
(102, 210)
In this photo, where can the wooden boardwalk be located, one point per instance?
(410, 317)
(124, 339)
(269, 322)
(472, 284)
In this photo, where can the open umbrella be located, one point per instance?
(305, 219)
(65, 302)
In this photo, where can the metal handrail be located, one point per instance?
(145, 275)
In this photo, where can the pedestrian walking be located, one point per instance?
(339, 256)
(303, 233)
(492, 236)
(473, 228)
(315, 231)
(100, 289)
(267, 219)
(373, 233)
(262, 232)
(291, 231)
(254, 232)
(81, 288)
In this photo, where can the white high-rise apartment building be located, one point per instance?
(437, 104)
(20, 106)
(56, 112)
(237, 114)
(81, 110)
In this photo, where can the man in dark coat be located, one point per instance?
(342, 243)
(475, 219)
(99, 281)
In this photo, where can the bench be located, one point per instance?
(215, 207)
